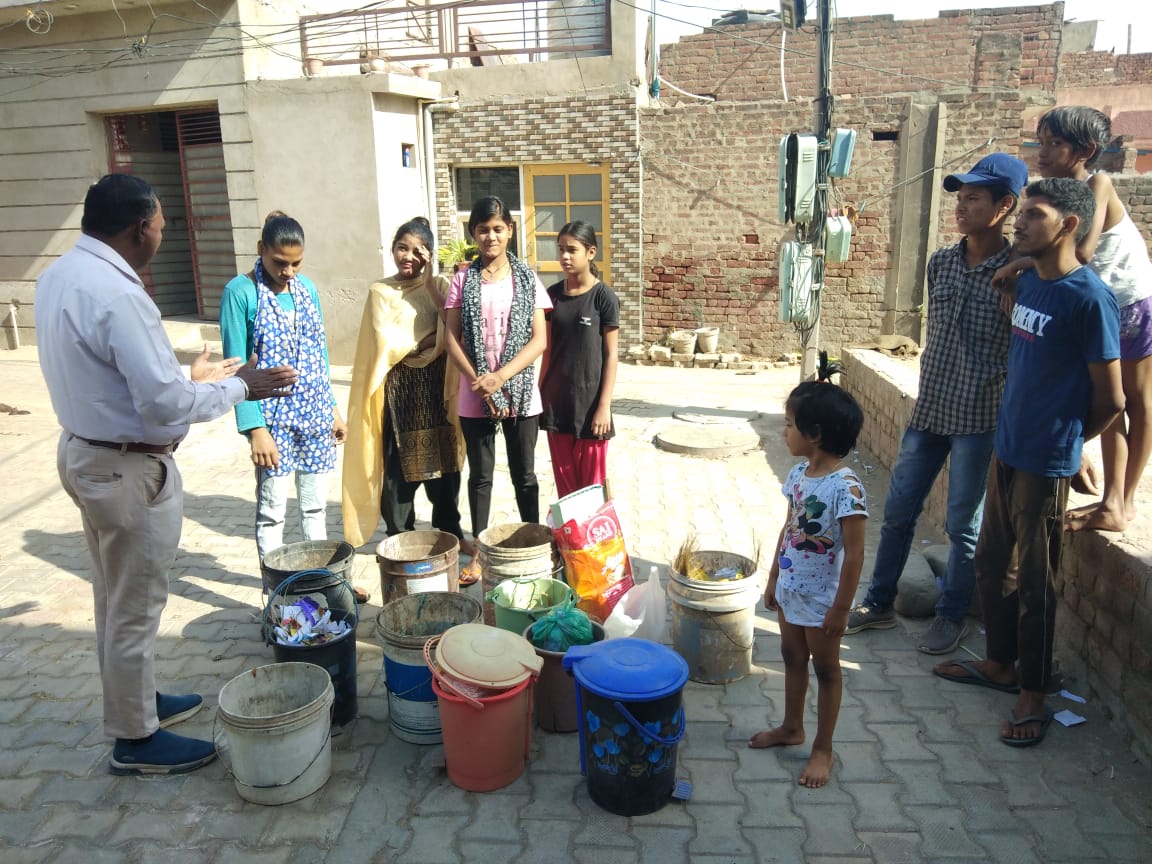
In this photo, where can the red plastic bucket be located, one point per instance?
(485, 747)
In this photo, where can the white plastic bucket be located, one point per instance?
(277, 719)
(713, 621)
(514, 550)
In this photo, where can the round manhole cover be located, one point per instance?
(707, 440)
(716, 416)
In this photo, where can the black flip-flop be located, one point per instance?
(1045, 720)
(975, 677)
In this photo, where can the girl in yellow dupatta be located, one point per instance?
(403, 430)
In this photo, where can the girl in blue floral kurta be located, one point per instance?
(274, 313)
(817, 566)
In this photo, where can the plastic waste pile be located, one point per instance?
(307, 622)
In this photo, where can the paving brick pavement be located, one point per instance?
(921, 776)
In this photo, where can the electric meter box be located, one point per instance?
(796, 275)
(838, 239)
(797, 178)
(840, 160)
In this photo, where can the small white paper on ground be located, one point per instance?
(1073, 697)
(1067, 718)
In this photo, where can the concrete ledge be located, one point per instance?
(1105, 582)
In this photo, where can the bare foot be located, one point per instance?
(1084, 509)
(777, 737)
(818, 769)
(467, 547)
(1097, 519)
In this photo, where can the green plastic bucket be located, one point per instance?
(519, 602)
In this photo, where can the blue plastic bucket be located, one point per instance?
(628, 698)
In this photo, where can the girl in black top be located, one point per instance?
(579, 368)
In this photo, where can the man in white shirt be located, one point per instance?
(124, 405)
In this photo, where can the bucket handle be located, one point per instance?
(228, 766)
(651, 736)
(433, 667)
(278, 591)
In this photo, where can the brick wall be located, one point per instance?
(1135, 190)
(710, 169)
(872, 55)
(710, 229)
(973, 119)
(574, 129)
(1102, 624)
(1039, 30)
(1104, 587)
(1103, 68)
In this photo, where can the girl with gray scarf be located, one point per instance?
(495, 314)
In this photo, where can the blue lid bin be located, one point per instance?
(628, 698)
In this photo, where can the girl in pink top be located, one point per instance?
(495, 313)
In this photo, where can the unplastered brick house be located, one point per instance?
(357, 121)
(926, 98)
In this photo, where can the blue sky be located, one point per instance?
(1112, 32)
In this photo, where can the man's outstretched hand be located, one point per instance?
(270, 383)
(205, 371)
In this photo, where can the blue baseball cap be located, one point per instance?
(999, 169)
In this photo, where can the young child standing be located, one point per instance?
(1071, 141)
(273, 311)
(817, 567)
(496, 331)
(578, 373)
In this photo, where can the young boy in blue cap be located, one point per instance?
(961, 379)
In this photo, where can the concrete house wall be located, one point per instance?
(327, 150)
(54, 143)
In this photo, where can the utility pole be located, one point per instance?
(818, 228)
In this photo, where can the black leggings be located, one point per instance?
(520, 436)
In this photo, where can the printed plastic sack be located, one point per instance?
(596, 563)
(561, 628)
(642, 612)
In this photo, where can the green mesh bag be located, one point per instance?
(562, 628)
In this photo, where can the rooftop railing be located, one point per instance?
(478, 33)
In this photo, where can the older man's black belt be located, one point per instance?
(134, 446)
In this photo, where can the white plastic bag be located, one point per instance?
(642, 612)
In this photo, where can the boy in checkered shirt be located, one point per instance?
(962, 373)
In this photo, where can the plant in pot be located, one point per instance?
(457, 253)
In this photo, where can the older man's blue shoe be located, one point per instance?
(160, 753)
(173, 709)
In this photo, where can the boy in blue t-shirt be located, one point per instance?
(1063, 387)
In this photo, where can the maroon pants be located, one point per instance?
(1023, 525)
(577, 462)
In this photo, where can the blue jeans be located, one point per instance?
(922, 456)
(272, 507)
